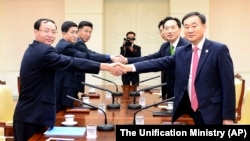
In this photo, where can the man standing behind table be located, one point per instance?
(65, 82)
(130, 49)
(171, 30)
(36, 106)
(205, 90)
(85, 29)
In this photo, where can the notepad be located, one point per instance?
(66, 131)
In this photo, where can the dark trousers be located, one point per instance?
(130, 78)
(23, 131)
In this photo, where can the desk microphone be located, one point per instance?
(103, 127)
(109, 106)
(117, 93)
(138, 94)
(138, 106)
(151, 105)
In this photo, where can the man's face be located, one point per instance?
(46, 33)
(172, 31)
(71, 35)
(131, 37)
(162, 33)
(85, 33)
(194, 29)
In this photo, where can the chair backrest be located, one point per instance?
(6, 104)
(18, 84)
(239, 91)
(2, 82)
(245, 117)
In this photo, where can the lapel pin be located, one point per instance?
(206, 51)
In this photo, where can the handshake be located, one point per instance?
(118, 67)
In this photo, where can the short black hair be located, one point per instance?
(130, 32)
(37, 23)
(161, 23)
(172, 18)
(67, 25)
(85, 23)
(195, 13)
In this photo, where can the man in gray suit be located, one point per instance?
(213, 82)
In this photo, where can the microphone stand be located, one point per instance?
(117, 93)
(109, 106)
(151, 105)
(138, 94)
(103, 127)
(138, 106)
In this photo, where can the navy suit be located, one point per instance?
(214, 81)
(81, 47)
(166, 75)
(66, 82)
(37, 99)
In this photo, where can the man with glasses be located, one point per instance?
(36, 106)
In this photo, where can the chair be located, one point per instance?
(6, 112)
(18, 84)
(245, 117)
(239, 91)
(2, 82)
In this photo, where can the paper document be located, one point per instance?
(66, 131)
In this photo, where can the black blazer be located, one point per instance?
(37, 99)
(92, 55)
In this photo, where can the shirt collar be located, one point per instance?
(200, 44)
(176, 42)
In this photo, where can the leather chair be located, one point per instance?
(2, 82)
(245, 115)
(239, 91)
(6, 112)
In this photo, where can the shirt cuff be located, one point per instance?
(133, 68)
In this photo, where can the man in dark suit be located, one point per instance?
(85, 29)
(36, 106)
(70, 45)
(213, 81)
(171, 29)
(129, 49)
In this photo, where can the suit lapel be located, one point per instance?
(203, 56)
(187, 59)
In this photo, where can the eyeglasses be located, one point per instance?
(131, 38)
(48, 31)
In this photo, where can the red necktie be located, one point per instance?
(194, 101)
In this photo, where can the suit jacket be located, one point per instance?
(66, 82)
(37, 99)
(92, 55)
(131, 77)
(166, 75)
(214, 80)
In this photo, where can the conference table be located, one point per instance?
(121, 116)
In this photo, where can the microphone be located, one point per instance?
(138, 106)
(151, 105)
(138, 94)
(109, 106)
(103, 127)
(117, 93)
